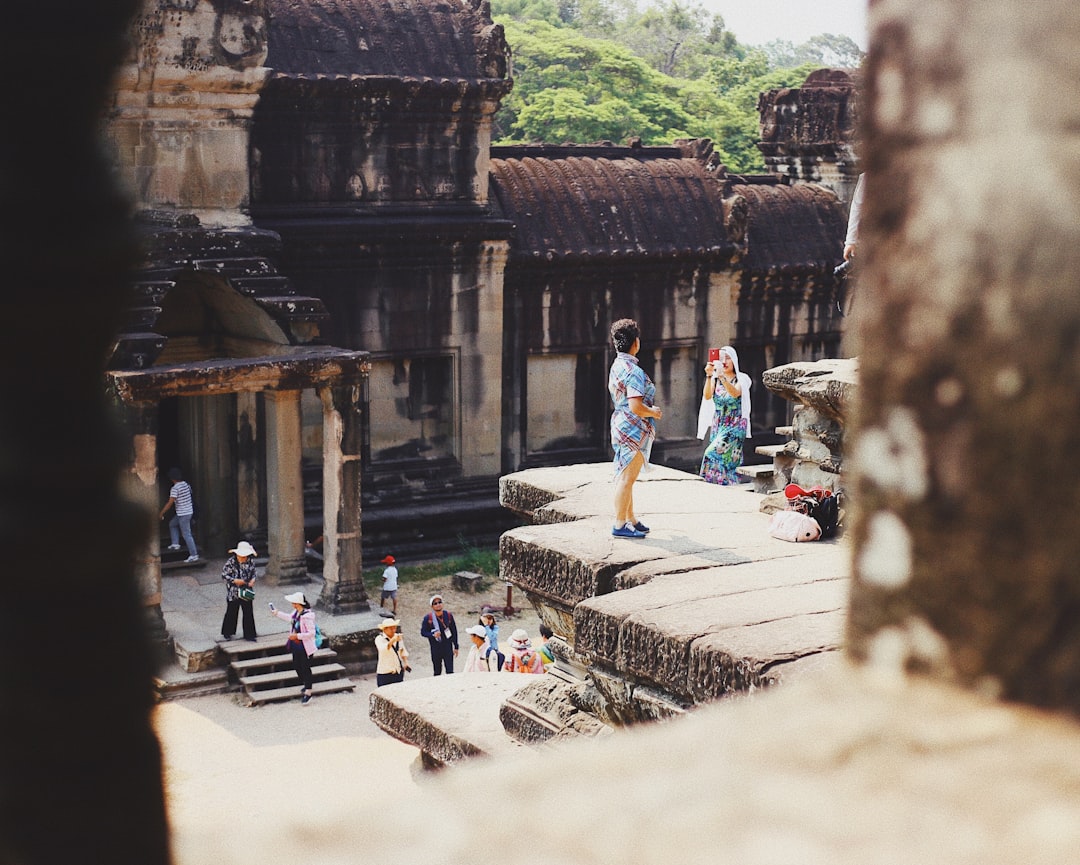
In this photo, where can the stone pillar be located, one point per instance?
(967, 433)
(248, 510)
(285, 489)
(140, 486)
(343, 591)
(478, 313)
(208, 467)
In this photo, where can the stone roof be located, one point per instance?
(440, 39)
(792, 229)
(571, 202)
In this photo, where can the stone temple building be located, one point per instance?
(349, 300)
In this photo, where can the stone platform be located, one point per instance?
(709, 605)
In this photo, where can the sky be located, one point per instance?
(755, 22)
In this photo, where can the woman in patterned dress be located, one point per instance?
(632, 424)
(728, 390)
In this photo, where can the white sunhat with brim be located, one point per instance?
(297, 598)
(477, 631)
(389, 623)
(244, 549)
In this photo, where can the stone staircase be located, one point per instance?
(772, 476)
(264, 673)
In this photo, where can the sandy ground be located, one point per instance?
(232, 770)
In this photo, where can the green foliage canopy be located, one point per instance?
(605, 70)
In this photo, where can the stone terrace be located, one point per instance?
(707, 606)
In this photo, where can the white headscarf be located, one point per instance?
(708, 408)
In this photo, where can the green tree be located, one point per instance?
(568, 87)
(823, 50)
(676, 38)
(573, 87)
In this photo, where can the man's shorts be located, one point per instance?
(388, 594)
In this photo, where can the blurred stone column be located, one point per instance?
(343, 591)
(967, 443)
(284, 489)
(82, 729)
(141, 487)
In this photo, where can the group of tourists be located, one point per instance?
(439, 628)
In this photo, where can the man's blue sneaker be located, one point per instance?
(626, 531)
(641, 527)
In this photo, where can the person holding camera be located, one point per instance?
(301, 641)
(725, 416)
(393, 656)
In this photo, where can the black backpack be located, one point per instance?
(827, 514)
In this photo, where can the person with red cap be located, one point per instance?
(389, 583)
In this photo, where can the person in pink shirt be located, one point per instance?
(301, 640)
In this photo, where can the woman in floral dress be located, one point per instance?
(728, 390)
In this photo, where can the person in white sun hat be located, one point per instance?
(301, 640)
(239, 576)
(393, 656)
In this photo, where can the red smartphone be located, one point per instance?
(714, 355)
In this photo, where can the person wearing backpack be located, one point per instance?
(301, 642)
(440, 630)
(523, 658)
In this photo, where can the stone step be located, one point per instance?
(182, 563)
(755, 471)
(261, 681)
(761, 475)
(788, 431)
(770, 450)
(240, 649)
(205, 682)
(284, 659)
(277, 695)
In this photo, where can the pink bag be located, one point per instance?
(794, 526)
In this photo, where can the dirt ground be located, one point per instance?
(218, 753)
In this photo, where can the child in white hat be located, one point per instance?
(522, 658)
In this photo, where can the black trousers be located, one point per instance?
(232, 610)
(301, 663)
(388, 678)
(442, 654)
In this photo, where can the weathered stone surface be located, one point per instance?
(829, 385)
(707, 605)
(549, 708)
(559, 493)
(447, 717)
(701, 636)
(824, 393)
(851, 767)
